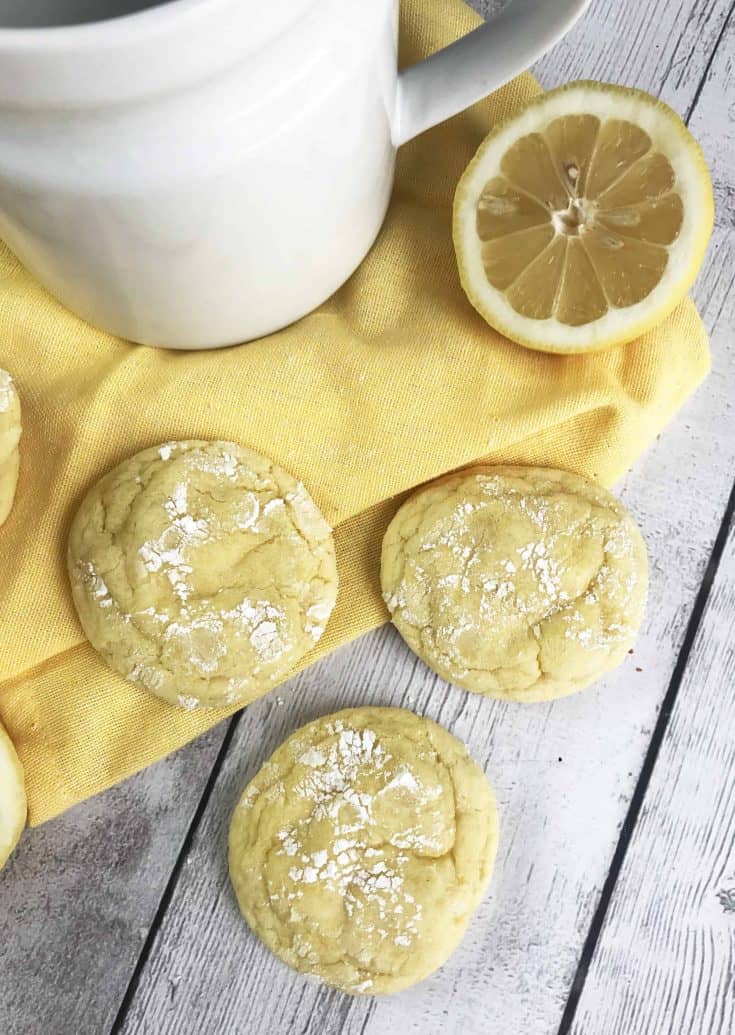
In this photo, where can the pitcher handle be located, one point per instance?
(468, 70)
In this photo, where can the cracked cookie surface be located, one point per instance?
(9, 439)
(202, 572)
(515, 582)
(363, 846)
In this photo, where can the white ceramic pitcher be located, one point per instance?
(203, 172)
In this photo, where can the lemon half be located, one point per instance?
(13, 803)
(584, 219)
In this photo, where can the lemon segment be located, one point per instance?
(13, 803)
(584, 219)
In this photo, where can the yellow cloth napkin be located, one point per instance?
(392, 382)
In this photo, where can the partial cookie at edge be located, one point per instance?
(10, 430)
(13, 803)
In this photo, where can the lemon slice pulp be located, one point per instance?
(13, 804)
(583, 220)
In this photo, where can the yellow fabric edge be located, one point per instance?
(595, 422)
(59, 749)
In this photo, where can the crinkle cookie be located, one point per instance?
(13, 804)
(515, 582)
(202, 572)
(9, 439)
(363, 846)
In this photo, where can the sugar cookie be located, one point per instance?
(363, 846)
(13, 804)
(9, 439)
(202, 572)
(515, 582)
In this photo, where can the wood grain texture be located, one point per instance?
(78, 897)
(665, 957)
(564, 773)
(661, 46)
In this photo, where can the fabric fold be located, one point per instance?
(392, 382)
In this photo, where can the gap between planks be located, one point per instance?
(596, 934)
(173, 879)
(708, 67)
(638, 797)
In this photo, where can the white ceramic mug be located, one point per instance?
(204, 172)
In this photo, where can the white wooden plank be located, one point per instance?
(658, 45)
(666, 954)
(79, 895)
(181, 983)
(665, 959)
(564, 772)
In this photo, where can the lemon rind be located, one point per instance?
(618, 326)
